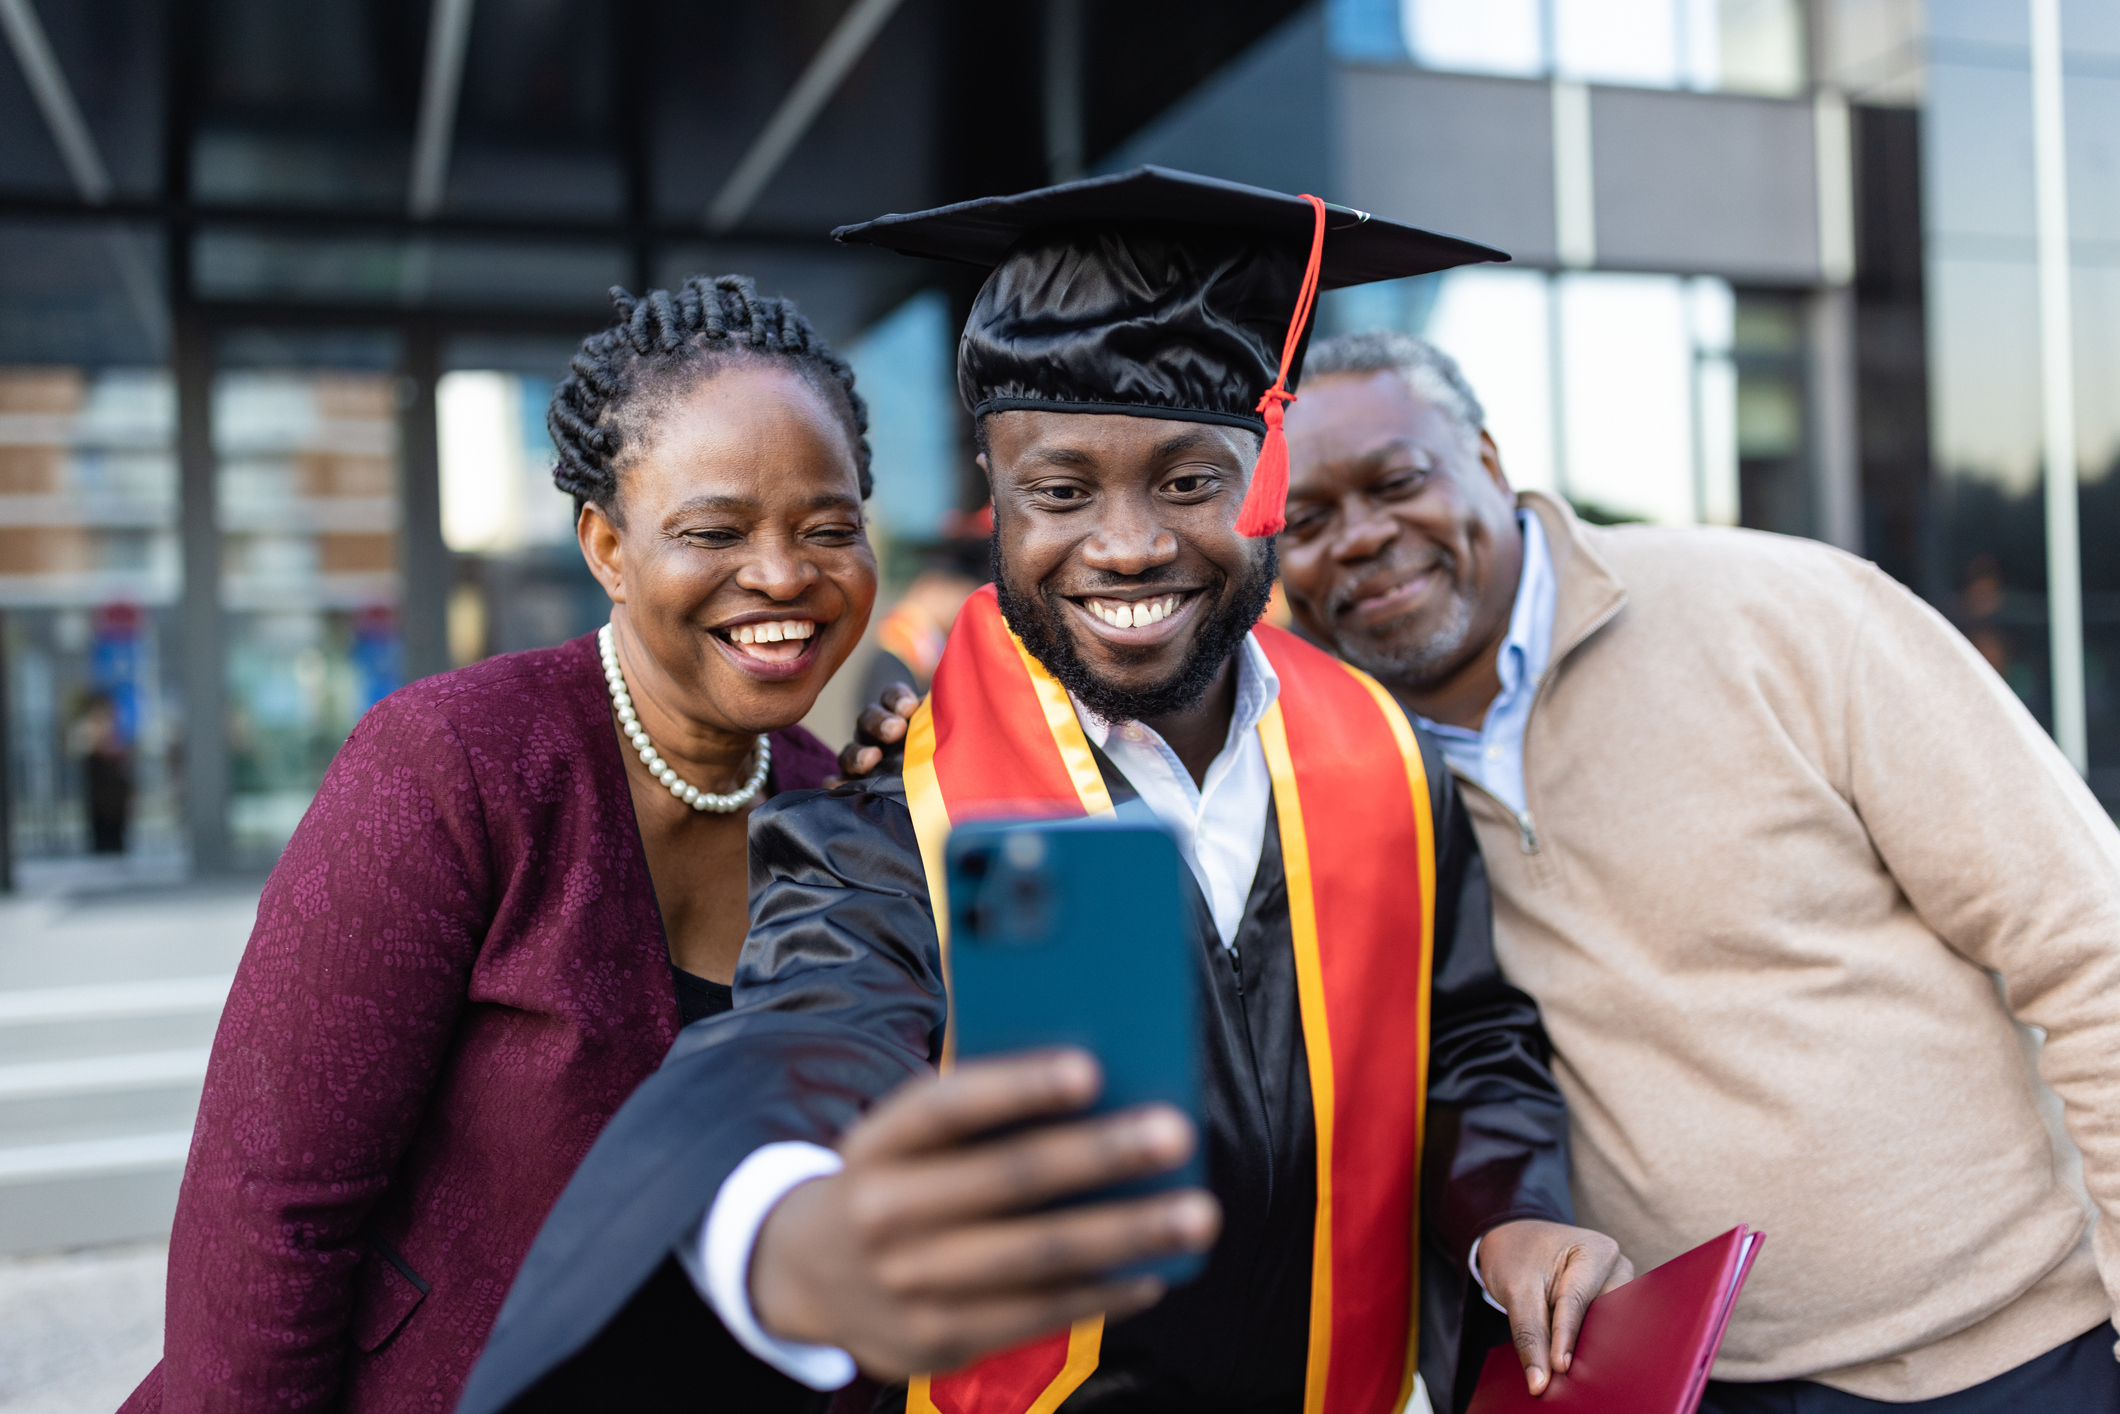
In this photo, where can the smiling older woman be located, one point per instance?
(519, 879)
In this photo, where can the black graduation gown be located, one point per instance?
(839, 1000)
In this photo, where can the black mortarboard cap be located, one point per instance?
(1156, 293)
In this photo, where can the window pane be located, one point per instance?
(88, 578)
(309, 104)
(906, 369)
(1646, 410)
(242, 263)
(517, 579)
(1495, 324)
(89, 570)
(1617, 41)
(536, 126)
(306, 434)
(1626, 396)
(1365, 31)
(1476, 36)
(1758, 46)
(81, 292)
(1772, 413)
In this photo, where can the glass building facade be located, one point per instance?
(285, 289)
(1989, 376)
(281, 305)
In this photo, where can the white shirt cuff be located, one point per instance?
(1472, 1260)
(717, 1256)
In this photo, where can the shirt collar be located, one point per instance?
(1530, 640)
(1258, 687)
(1529, 643)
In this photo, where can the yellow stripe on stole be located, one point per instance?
(1424, 831)
(931, 826)
(1317, 1038)
(1066, 728)
(1085, 1339)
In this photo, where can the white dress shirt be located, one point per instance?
(1220, 823)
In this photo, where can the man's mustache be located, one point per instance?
(1344, 598)
(1103, 581)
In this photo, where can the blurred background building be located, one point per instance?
(284, 289)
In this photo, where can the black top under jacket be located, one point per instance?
(840, 1000)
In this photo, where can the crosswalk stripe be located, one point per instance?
(137, 1070)
(88, 1158)
(103, 1000)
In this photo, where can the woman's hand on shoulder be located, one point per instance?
(879, 734)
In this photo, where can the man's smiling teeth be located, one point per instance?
(1120, 614)
(773, 632)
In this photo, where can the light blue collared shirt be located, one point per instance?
(1493, 757)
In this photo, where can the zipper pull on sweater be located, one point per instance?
(1526, 832)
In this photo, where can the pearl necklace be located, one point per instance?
(651, 758)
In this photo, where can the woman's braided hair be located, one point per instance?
(599, 413)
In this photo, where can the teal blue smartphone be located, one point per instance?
(1074, 932)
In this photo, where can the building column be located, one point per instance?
(2057, 387)
(1836, 449)
(423, 558)
(205, 675)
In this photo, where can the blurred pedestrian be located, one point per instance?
(106, 769)
(1781, 859)
(518, 881)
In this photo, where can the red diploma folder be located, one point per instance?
(1645, 1348)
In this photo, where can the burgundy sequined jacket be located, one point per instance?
(458, 973)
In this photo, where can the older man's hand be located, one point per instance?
(878, 733)
(1546, 1275)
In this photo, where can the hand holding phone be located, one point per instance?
(934, 1246)
(1055, 1173)
(1073, 932)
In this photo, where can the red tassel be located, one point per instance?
(1265, 508)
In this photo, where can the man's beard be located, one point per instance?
(1038, 619)
(1419, 666)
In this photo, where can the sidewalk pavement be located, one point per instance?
(78, 1330)
(108, 1003)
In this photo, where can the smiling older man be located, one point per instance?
(1780, 858)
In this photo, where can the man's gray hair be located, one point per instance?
(1430, 372)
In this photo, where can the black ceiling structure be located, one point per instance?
(274, 147)
(185, 182)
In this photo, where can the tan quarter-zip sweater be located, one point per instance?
(1785, 826)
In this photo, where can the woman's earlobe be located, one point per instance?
(602, 550)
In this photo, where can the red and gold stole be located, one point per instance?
(1357, 844)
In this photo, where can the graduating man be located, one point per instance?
(1379, 1106)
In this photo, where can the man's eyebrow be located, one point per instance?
(1392, 448)
(1376, 454)
(1191, 440)
(1059, 456)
